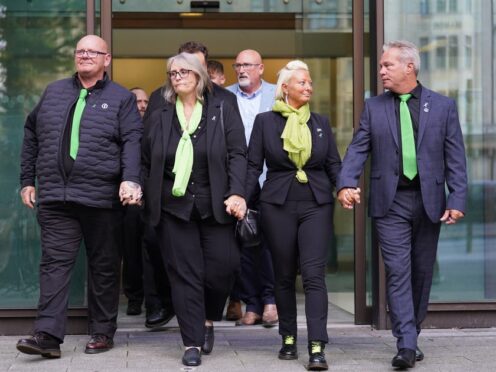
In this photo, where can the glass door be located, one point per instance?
(145, 33)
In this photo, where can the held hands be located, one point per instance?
(28, 196)
(450, 216)
(130, 193)
(348, 197)
(236, 206)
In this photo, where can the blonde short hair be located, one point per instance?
(191, 62)
(286, 73)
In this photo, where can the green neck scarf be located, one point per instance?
(183, 163)
(297, 139)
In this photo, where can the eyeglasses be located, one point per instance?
(246, 66)
(182, 73)
(90, 53)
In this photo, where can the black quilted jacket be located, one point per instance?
(109, 150)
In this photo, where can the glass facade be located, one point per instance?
(456, 39)
(324, 42)
(36, 43)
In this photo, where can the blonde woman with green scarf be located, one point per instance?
(296, 204)
(194, 160)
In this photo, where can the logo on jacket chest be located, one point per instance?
(104, 106)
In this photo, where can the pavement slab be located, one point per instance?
(254, 349)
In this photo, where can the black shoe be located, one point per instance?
(133, 308)
(209, 340)
(159, 318)
(317, 361)
(419, 355)
(40, 344)
(404, 359)
(288, 350)
(192, 357)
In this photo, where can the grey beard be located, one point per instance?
(244, 82)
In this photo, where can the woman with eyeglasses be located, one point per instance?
(194, 157)
(296, 204)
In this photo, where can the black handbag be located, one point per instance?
(248, 229)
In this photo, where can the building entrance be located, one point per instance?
(319, 33)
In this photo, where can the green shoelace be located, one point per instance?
(315, 347)
(289, 340)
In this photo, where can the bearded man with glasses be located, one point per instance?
(80, 161)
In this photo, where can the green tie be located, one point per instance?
(407, 139)
(76, 120)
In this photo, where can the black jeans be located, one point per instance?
(299, 232)
(63, 227)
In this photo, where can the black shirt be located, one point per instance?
(197, 201)
(414, 107)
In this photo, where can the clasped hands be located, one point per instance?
(130, 193)
(236, 206)
(348, 197)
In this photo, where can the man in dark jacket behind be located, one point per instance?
(157, 100)
(81, 153)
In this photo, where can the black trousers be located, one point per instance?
(299, 231)
(254, 282)
(155, 279)
(201, 257)
(63, 227)
(132, 265)
(408, 241)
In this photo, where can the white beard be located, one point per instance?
(244, 82)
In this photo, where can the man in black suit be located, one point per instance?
(414, 138)
(143, 272)
(201, 52)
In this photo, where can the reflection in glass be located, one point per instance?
(326, 33)
(457, 62)
(36, 43)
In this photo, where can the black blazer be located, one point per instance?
(226, 157)
(440, 154)
(266, 144)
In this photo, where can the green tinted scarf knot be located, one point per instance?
(183, 163)
(297, 139)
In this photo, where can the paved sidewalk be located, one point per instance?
(351, 348)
